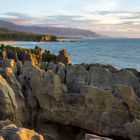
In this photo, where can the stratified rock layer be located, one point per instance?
(67, 101)
(11, 132)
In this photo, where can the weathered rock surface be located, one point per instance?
(63, 57)
(61, 101)
(99, 107)
(36, 55)
(133, 129)
(11, 132)
(76, 76)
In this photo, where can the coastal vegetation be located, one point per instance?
(9, 35)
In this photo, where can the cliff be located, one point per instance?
(68, 101)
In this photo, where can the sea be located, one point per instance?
(121, 53)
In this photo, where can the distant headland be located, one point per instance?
(10, 35)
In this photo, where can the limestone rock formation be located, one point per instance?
(9, 63)
(4, 55)
(4, 123)
(11, 80)
(63, 57)
(61, 71)
(61, 101)
(52, 66)
(104, 106)
(76, 76)
(11, 132)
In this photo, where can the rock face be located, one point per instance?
(37, 55)
(68, 101)
(94, 106)
(133, 129)
(8, 103)
(11, 132)
(63, 57)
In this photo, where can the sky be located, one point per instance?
(120, 18)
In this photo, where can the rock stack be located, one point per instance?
(63, 57)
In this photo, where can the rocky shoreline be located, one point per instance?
(64, 101)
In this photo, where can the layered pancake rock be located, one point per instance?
(68, 101)
(11, 132)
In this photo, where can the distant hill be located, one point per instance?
(60, 32)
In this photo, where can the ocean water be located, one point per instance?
(121, 53)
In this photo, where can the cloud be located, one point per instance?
(17, 15)
(116, 12)
(19, 18)
(65, 20)
(107, 22)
